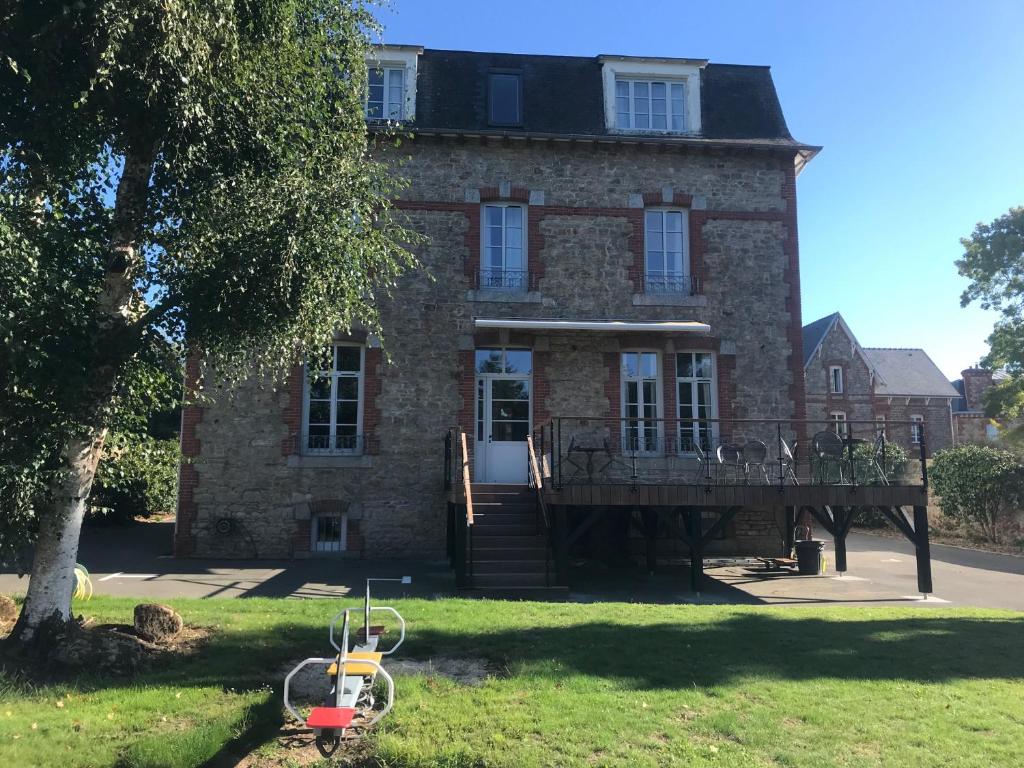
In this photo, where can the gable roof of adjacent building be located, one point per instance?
(563, 97)
(908, 372)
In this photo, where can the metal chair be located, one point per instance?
(730, 457)
(703, 463)
(828, 448)
(754, 455)
(878, 459)
(787, 462)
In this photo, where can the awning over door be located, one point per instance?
(609, 326)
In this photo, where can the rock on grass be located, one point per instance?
(157, 623)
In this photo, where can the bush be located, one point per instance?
(978, 486)
(137, 477)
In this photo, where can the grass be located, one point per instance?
(600, 684)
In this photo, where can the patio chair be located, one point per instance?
(878, 459)
(730, 461)
(828, 447)
(703, 472)
(787, 461)
(755, 453)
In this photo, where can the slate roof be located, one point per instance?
(563, 95)
(814, 334)
(908, 372)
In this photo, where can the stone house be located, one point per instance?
(970, 424)
(862, 390)
(612, 237)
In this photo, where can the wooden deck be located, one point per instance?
(737, 495)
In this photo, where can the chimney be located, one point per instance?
(976, 383)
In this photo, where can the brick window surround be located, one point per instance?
(302, 536)
(294, 387)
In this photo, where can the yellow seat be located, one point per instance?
(353, 667)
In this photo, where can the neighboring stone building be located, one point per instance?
(970, 424)
(606, 236)
(863, 390)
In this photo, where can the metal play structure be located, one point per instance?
(354, 673)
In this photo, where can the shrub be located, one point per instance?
(979, 486)
(137, 476)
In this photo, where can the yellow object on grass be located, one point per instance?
(353, 667)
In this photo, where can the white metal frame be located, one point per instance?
(332, 449)
(658, 401)
(485, 261)
(712, 382)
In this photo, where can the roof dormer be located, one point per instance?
(651, 95)
(391, 83)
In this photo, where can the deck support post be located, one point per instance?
(561, 544)
(695, 535)
(790, 524)
(923, 550)
(649, 516)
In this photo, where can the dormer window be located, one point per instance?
(385, 93)
(650, 105)
(649, 95)
(505, 99)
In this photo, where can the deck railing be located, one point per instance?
(543, 520)
(630, 450)
(460, 516)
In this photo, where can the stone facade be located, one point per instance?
(861, 402)
(251, 492)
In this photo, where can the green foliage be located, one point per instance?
(207, 162)
(137, 476)
(993, 261)
(979, 486)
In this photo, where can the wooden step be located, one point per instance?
(499, 529)
(500, 488)
(510, 553)
(506, 541)
(501, 517)
(509, 580)
(510, 566)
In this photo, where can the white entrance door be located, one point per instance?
(503, 415)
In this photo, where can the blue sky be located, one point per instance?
(918, 105)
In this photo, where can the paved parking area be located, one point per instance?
(135, 561)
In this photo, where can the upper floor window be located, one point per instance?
(505, 99)
(385, 97)
(916, 429)
(835, 379)
(650, 105)
(666, 247)
(333, 413)
(503, 247)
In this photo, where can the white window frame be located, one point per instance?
(712, 382)
(682, 278)
(658, 402)
(388, 105)
(397, 57)
(838, 423)
(316, 545)
(503, 282)
(333, 450)
(632, 86)
(685, 71)
(835, 382)
(916, 431)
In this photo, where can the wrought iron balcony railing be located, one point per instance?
(671, 283)
(510, 280)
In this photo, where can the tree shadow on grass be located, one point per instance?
(931, 649)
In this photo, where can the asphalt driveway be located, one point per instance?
(135, 561)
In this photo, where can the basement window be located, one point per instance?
(329, 533)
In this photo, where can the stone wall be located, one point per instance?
(585, 225)
(857, 400)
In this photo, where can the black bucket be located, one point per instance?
(808, 556)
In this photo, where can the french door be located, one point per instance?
(503, 407)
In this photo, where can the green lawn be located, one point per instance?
(600, 684)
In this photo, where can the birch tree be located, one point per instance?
(196, 171)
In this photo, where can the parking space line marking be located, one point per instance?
(111, 576)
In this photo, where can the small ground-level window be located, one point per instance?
(837, 423)
(916, 429)
(835, 379)
(329, 533)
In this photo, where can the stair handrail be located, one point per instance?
(538, 481)
(466, 484)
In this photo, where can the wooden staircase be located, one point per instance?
(509, 547)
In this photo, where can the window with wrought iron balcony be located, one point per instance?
(503, 264)
(666, 253)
